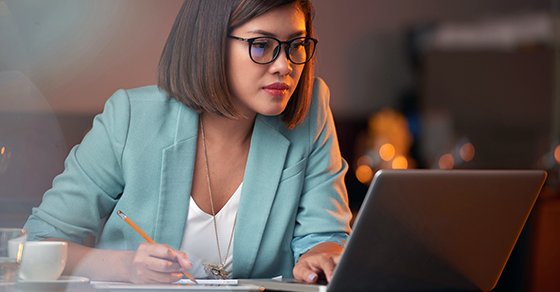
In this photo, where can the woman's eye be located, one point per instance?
(297, 45)
(261, 45)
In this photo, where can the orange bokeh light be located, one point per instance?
(364, 174)
(364, 160)
(400, 162)
(467, 151)
(557, 154)
(387, 151)
(446, 161)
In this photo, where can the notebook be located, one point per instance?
(432, 230)
(183, 285)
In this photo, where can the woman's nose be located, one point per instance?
(282, 65)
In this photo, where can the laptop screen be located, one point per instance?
(436, 229)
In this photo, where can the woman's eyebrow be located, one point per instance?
(267, 33)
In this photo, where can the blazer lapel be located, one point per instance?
(176, 180)
(262, 174)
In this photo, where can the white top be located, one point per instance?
(199, 238)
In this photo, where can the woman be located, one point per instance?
(231, 164)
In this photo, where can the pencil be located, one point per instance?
(147, 238)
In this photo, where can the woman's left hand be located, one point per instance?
(320, 260)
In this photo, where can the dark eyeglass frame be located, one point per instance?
(276, 51)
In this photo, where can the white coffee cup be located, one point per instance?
(43, 260)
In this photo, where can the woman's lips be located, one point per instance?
(277, 89)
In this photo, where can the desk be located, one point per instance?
(120, 287)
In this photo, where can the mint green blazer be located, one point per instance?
(139, 158)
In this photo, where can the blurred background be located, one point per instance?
(441, 84)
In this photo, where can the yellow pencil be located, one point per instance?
(147, 238)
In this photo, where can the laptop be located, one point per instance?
(432, 230)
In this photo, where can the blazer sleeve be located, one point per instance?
(88, 188)
(323, 213)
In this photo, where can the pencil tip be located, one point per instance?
(121, 214)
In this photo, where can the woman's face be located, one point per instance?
(265, 89)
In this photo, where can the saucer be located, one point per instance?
(60, 280)
(62, 284)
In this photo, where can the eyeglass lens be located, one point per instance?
(265, 50)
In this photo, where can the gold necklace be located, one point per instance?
(216, 271)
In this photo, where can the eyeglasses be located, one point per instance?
(264, 50)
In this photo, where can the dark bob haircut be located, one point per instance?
(192, 67)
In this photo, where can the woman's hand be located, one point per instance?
(158, 263)
(320, 260)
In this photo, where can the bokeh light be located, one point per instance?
(364, 160)
(387, 152)
(467, 152)
(364, 174)
(446, 161)
(4, 159)
(400, 162)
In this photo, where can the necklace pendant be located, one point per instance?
(216, 271)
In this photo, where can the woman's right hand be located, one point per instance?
(158, 263)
